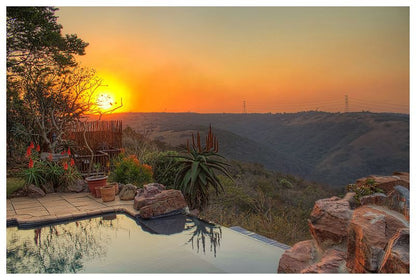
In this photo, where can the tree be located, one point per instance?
(46, 91)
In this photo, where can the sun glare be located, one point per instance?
(105, 101)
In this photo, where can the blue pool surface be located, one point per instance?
(117, 243)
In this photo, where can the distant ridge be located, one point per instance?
(330, 148)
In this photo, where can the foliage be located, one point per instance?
(14, 184)
(139, 144)
(257, 200)
(197, 171)
(165, 167)
(129, 170)
(40, 172)
(369, 187)
(46, 91)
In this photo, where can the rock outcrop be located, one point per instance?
(127, 192)
(154, 200)
(349, 236)
(34, 192)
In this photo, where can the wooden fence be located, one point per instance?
(103, 137)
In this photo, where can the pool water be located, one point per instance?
(121, 244)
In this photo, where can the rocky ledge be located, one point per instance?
(154, 200)
(349, 236)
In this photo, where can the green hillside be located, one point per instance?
(330, 148)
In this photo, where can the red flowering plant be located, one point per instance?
(129, 170)
(56, 173)
(35, 173)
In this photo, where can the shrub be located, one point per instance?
(39, 172)
(368, 188)
(165, 167)
(129, 170)
(198, 169)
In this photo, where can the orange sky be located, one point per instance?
(209, 60)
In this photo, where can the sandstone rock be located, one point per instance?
(77, 187)
(150, 190)
(34, 192)
(398, 200)
(396, 258)
(333, 261)
(157, 185)
(128, 192)
(370, 229)
(386, 183)
(377, 199)
(350, 197)
(48, 187)
(300, 256)
(159, 204)
(329, 221)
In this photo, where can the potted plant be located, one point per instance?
(96, 181)
(108, 193)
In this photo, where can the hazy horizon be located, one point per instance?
(272, 59)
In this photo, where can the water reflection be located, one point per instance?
(70, 247)
(56, 248)
(201, 231)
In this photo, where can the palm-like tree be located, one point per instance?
(198, 171)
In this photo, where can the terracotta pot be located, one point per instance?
(108, 193)
(95, 181)
(116, 190)
(98, 191)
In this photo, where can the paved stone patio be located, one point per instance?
(26, 211)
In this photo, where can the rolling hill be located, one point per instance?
(330, 148)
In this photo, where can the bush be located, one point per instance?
(369, 187)
(165, 167)
(129, 170)
(40, 172)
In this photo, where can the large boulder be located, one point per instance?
(128, 192)
(329, 221)
(385, 183)
(333, 261)
(370, 230)
(300, 256)
(153, 202)
(370, 235)
(396, 258)
(34, 192)
(399, 200)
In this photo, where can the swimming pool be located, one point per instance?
(117, 243)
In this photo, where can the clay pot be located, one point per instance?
(108, 193)
(98, 191)
(95, 181)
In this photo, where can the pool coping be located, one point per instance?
(58, 207)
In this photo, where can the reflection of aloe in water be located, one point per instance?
(57, 248)
(202, 231)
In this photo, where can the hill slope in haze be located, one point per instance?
(331, 148)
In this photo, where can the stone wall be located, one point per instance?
(349, 236)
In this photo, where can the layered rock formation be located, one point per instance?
(154, 200)
(350, 236)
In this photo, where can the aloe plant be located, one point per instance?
(198, 172)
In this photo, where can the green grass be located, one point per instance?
(13, 184)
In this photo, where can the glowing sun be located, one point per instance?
(105, 101)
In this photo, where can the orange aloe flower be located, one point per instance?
(30, 163)
(72, 163)
(65, 165)
(38, 148)
(50, 157)
(31, 145)
(28, 151)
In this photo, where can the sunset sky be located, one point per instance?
(276, 59)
